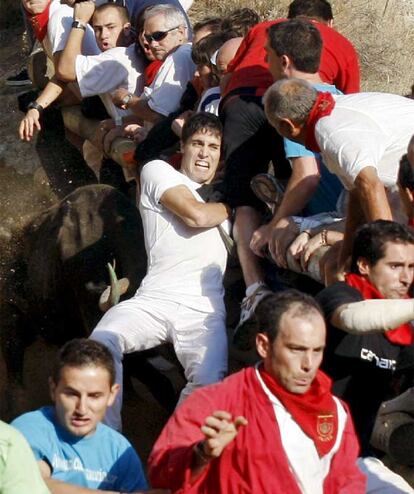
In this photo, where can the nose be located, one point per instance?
(203, 151)
(105, 33)
(307, 361)
(81, 405)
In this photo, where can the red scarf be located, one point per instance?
(403, 335)
(315, 411)
(411, 222)
(151, 70)
(39, 22)
(323, 107)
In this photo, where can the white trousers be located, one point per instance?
(199, 340)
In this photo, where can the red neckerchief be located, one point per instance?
(315, 411)
(403, 335)
(411, 222)
(151, 71)
(323, 107)
(39, 22)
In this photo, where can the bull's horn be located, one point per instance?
(113, 293)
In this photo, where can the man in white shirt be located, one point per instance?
(166, 32)
(361, 138)
(181, 298)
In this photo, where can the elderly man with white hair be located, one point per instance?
(360, 136)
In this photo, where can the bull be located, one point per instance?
(57, 270)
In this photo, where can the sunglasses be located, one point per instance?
(158, 35)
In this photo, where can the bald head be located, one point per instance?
(226, 53)
(410, 151)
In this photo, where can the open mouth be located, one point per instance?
(202, 164)
(79, 421)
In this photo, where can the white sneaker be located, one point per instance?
(245, 331)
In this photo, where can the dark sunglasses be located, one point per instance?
(158, 35)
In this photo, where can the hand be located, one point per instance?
(260, 239)
(117, 97)
(220, 429)
(83, 11)
(314, 243)
(29, 124)
(296, 247)
(178, 123)
(136, 132)
(283, 235)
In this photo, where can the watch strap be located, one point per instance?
(34, 105)
(79, 25)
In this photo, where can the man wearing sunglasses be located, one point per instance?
(166, 32)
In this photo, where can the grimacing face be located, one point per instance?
(110, 30)
(393, 274)
(295, 355)
(81, 398)
(161, 49)
(201, 156)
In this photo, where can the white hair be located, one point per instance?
(172, 14)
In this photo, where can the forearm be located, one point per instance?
(52, 91)
(207, 215)
(66, 63)
(374, 315)
(142, 110)
(354, 217)
(300, 188)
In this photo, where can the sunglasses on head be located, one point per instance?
(158, 35)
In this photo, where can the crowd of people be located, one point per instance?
(250, 139)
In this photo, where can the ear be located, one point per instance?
(330, 23)
(363, 266)
(181, 147)
(52, 389)
(286, 63)
(127, 28)
(288, 128)
(262, 345)
(114, 391)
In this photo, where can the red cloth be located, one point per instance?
(315, 411)
(411, 222)
(151, 71)
(339, 61)
(403, 335)
(255, 462)
(39, 22)
(323, 107)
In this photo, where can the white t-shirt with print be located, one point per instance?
(185, 265)
(210, 101)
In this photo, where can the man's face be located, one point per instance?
(393, 274)
(81, 398)
(296, 353)
(35, 6)
(156, 26)
(201, 156)
(275, 63)
(110, 30)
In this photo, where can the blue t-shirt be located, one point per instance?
(329, 187)
(105, 460)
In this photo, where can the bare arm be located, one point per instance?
(194, 213)
(137, 105)
(65, 61)
(367, 202)
(59, 487)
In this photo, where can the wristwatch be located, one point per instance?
(78, 25)
(34, 105)
(126, 100)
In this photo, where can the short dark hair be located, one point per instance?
(213, 23)
(406, 174)
(83, 352)
(123, 12)
(240, 21)
(300, 41)
(270, 311)
(314, 9)
(370, 239)
(201, 121)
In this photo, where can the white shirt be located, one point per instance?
(366, 129)
(169, 84)
(59, 27)
(103, 73)
(305, 464)
(185, 265)
(210, 101)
